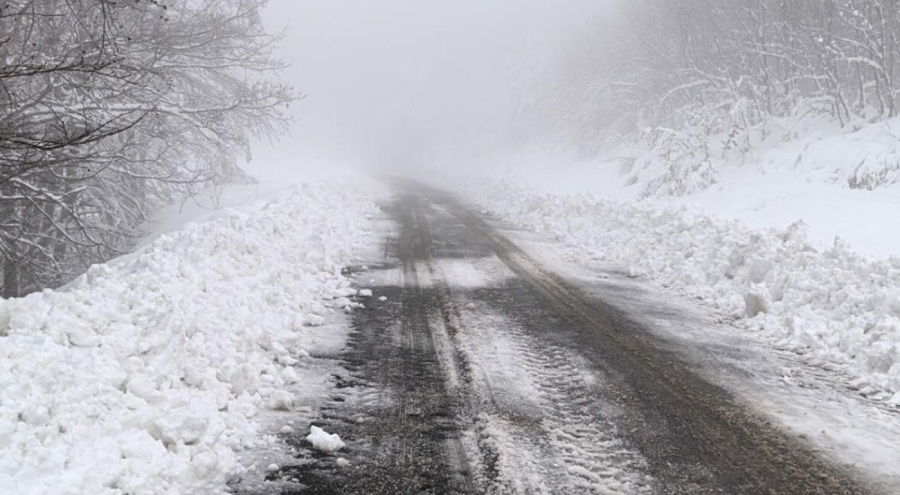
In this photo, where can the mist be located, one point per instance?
(481, 246)
(391, 85)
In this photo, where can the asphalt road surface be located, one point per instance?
(481, 371)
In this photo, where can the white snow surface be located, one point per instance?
(324, 441)
(798, 238)
(145, 374)
(834, 303)
(840, 184)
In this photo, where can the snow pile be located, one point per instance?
(832, 302)
(144, 375)
(324, 441)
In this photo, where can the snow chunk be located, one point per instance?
(187, 426)
(314, 320)
(323, 441)
(281, 401)
(757, 300)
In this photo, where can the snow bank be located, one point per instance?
(834, 303)
(144, 375)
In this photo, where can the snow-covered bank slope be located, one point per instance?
(797, 234)
(144, 375)
(841, 306)
(839, 183)
(761, 195)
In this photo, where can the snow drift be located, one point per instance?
(841, 306)
(144, 375)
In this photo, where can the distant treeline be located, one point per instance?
(110, 109)
(730, 65)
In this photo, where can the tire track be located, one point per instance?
(402, 425)
(555, 412)
(696, 438)
(528, 386)
(547, 435)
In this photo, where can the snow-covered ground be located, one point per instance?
(794, 252)
(150, 374)
(781, 244)
(146, 375)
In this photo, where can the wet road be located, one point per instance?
(481, 371)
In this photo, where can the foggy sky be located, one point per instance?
(389, 82)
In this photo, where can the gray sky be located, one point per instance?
(389, 81)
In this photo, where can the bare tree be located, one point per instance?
(110, 109)
(732, 66)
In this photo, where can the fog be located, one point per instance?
(390, 85)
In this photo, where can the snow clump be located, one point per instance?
(324, 441)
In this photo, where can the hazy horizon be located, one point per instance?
(388, 83)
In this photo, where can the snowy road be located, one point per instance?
(475, 369)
